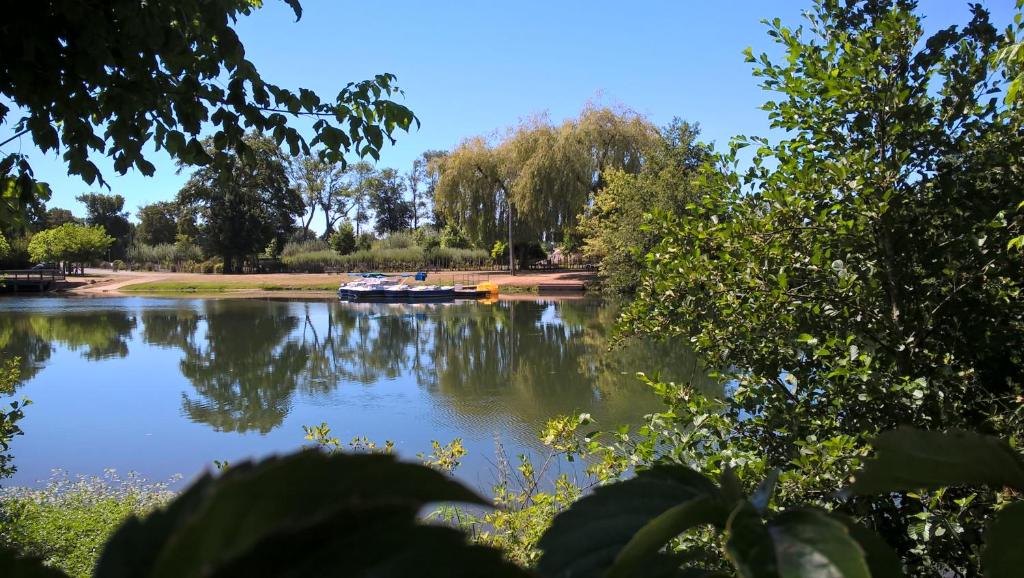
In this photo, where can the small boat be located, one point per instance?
(386, 289)
(378, 287)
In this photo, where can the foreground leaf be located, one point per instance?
(646, 543)
(1003, 556)
(882, 560)
(908, 459)
(811, 544)
(13, 566)
(748, 544)
(304, 514)
(585, 540)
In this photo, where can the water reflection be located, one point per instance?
(31, 337)
(246, 359)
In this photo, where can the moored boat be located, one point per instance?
(381, 288)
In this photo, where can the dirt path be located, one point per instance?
(114, 281)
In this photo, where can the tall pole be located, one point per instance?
(511, 252)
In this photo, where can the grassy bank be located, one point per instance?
(225, 286)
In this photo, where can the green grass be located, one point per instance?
(67, 522)
(518, 289)
(224, 286)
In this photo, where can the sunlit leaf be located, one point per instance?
(586, 539)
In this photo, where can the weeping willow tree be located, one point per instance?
(532, 183)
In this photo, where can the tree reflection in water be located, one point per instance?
(512, 363)
(32, 335)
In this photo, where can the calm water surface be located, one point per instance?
(166, 386)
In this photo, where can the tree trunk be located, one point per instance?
(309, 221)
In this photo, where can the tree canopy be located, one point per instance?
(70, 243)
(245, 205)
(323, 185)
(107, 211)
(544, 174)
(56, 216)
(856, 277)
(158, 223)
(93, 77)
(615, 228)
(391, 211)
(422, 181)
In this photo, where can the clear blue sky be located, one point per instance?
(470, 68)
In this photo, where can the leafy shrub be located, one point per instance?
(363, 510)
(272, 250)
(454, 237)
(365, 241)
(499, 250)
(409, 259)
(344, 240)
(304, 246)
(67, 522)
(427, 237)
(164, 255)
(397, 240)
(17, 256)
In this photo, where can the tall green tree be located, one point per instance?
(422, 182)
(56, 216)
(105, 78)
(158, 223)
(857, 277)
(107, 211)
(471, 191)
(558, 170)
(70, 244)
(615, 227)
(391, 211)
(323, 185)
(344, 240)
(243, 206)
(361, 174)
(532, 184)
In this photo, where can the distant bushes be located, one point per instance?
(16, 256)
(175, 256)
(402, 251)
(403, 259)
(397, 240)
(293, 248)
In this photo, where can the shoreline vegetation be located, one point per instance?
(100, 282)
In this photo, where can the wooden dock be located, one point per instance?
(30, 280)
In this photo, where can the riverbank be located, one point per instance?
(108, 283)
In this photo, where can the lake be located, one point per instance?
(165, 386)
